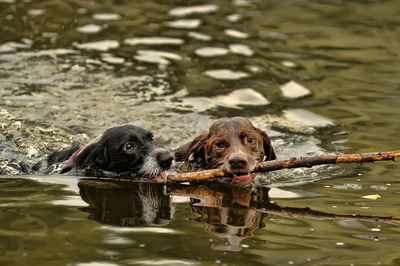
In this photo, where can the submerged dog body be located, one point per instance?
(120, 149)
(231, 143)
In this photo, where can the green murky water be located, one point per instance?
(318, 76)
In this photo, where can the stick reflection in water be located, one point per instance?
(226, 211)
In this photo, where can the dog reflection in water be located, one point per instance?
(127, 203)
(227, 212)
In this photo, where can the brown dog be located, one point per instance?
(231, 143)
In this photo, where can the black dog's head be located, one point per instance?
(125, 148)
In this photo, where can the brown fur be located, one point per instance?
(231, 143)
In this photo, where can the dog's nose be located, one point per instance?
(164, 159)
(237, 161)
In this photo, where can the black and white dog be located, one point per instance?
(124, 149)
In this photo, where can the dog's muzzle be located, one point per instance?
(156, 162)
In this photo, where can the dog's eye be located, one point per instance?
(128, 146)
(220, 144)
(250, 140)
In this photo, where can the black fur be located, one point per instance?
(120, 149)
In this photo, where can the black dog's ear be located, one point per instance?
(268, 149)
(95, 155)
(195, 148)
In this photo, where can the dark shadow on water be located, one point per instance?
(226, 211)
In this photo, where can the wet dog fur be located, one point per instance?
(119, 149)
(233, 144)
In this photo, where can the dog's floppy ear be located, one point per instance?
(94, 155)
(268, 149)
(195, 148)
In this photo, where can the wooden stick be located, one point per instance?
(290, 163)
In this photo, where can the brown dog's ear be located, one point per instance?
(195, 148)
(268, 149)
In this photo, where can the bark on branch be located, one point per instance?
(290, 163)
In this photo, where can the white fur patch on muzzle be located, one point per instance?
(151, 167)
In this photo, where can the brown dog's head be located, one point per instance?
(231, 143)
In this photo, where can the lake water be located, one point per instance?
(319, 76)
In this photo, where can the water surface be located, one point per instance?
(318, 76)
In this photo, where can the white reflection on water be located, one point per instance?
(200, 9)
(158, 57)
(96, 263)
(36, 12)
(226, 74)
(107, 16)
(236, 34)
(157, 230)
(241, 49)
(98, 46)
(89, 29)
(184, 23)
(163, 262)
(294, 90)
(109, 58)
(234, 17)
(306, 118)
(234, 99)
(154, 41)
(8, 47)
(211, 51)
(199, 36)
